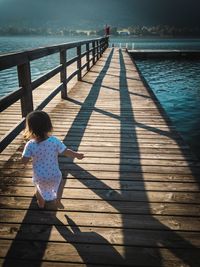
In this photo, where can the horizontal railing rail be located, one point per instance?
(94, 49)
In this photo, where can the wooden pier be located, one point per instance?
(134, 199)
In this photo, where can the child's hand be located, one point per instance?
(80, 156)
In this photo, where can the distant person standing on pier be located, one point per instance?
(107, 30)
(44, 149)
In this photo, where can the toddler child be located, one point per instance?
(44, 149)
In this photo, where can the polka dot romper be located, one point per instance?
(46, 173)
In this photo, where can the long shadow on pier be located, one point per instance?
(135, 252)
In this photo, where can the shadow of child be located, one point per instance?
(91, 247)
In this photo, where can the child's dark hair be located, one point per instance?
(38, 125)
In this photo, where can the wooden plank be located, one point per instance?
(143, 149)
(137, 168)
(117, 141)
(117, 185)
(115, 195)
(114, 155)
(111, 175)
(95, 254)
(102, 206)
(100, 219)
(113, 236)
(101, 162)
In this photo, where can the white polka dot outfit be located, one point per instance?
(46, 173)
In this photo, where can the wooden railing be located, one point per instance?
(93, 51)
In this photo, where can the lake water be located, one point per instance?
(176, 83)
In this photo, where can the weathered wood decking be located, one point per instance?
(133, 200)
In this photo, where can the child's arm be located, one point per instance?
(72, 154)
(27, 153)
(25, 160)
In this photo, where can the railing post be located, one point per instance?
(101, 48)
(98, 49)
(79, 75)
(88, 56)
(107, 43)
(93, 52)
(102, 45)
(63, 73)
(24, 77)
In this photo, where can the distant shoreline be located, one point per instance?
(115, 37)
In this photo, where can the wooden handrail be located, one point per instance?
(22, 60)
(14, 59)
(42, 79)
(13, 97)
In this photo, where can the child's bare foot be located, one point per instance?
(40, 200)
(41, 204)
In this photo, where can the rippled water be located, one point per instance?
(176, 83)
